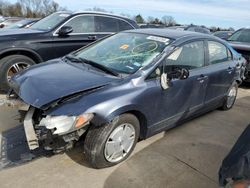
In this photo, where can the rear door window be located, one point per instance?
(106, 24)
(82, 24)
(218, 52)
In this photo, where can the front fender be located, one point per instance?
(101, 119)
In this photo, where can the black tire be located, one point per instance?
(226, 105)
(6, 63)
(96, 138)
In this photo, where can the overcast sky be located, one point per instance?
(224, 13)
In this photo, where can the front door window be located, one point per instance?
(82, 24)
(189, 56)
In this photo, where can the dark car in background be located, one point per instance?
(125, 88)
(54, 36)
(9, 21)
(25, 23)
(193, 28)
(240, 41)
(151, 26)
(223, 34)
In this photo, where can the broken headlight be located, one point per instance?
(64, 124)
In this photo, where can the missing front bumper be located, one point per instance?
(30, 133)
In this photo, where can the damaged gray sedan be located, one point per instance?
(123, 89)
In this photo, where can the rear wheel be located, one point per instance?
(111, 144)
(231, 97)
(11, 65)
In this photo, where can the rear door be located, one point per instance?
(220, 73)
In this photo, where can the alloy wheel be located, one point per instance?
(17, 67)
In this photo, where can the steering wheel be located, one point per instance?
(178, 73)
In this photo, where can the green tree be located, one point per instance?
(139, 19)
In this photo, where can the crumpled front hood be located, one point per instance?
(47, 82)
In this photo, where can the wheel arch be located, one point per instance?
(22, 51)
(142, 120)
(137, 113)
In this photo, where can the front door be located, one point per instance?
(183, 97)
(83, 34)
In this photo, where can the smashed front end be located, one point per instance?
(245, 52)
(57, 133)
(246, 55)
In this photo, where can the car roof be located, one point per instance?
(170, 33)
(101, 14)
(93, 12)
(245, 28)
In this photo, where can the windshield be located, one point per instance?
(50, 21)
(125, 52)
(241, 36)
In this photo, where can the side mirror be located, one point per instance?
(164, 81)
(65, 30)
(178, 73)
(2, 26)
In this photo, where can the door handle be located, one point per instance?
(92, 37)
(230, 70)
(202, 77)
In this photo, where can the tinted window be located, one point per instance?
(217, 52)
(241, 36)
(82, 24)
(124, 25)
(189, 56)
(106, 24)
(50, 21)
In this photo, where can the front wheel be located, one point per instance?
(113, 143)
(231, 97)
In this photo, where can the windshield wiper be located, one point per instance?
(76, 59)
(99, 66)
(73, 58)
